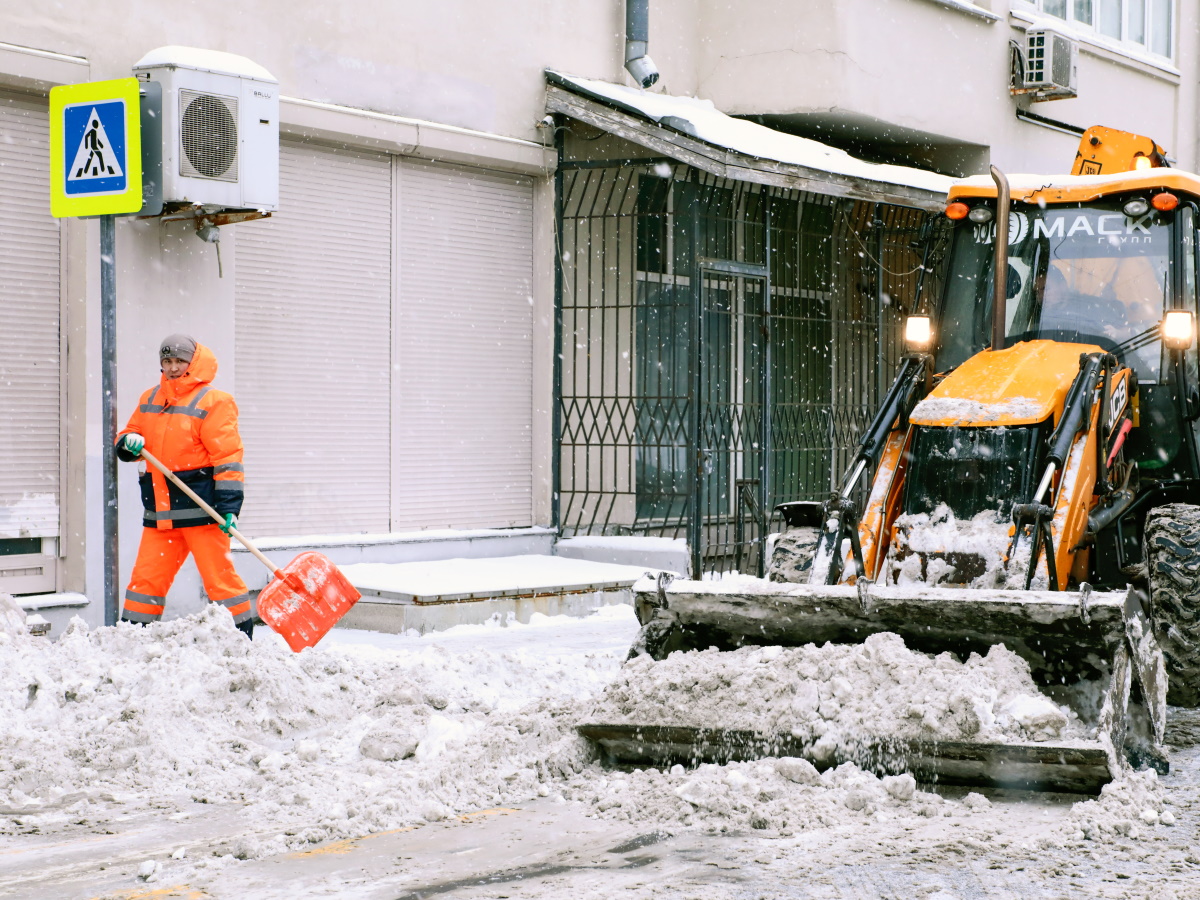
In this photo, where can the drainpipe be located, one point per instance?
(637, 38)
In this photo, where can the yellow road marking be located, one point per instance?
(176, 892)
(498, 811)
(350, 844)
(347, 845)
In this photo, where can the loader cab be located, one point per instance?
(1103, 272)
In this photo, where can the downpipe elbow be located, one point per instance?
(640, 66)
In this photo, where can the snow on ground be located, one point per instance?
(368, 733)
(345, 739)
(841, 696)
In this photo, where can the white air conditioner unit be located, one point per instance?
(220, 129)
(1051, 61)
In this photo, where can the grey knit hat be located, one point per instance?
(177, 346)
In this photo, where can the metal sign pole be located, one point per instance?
(96, 170)
(108, 387)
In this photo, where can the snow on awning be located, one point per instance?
(695, 132)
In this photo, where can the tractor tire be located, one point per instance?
(792, 558)
(1173, 566)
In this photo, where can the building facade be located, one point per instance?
(403, 335)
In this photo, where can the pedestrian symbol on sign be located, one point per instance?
(94, 158)
(95, 148)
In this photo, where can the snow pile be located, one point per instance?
(12, 618)
(1127, 807)
(783, 795)
(345, 740)
(840, 697)
(924, 541)
(190, 711)
(788, 795)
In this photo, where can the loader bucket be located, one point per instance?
(1065, 637)
(1031, 766)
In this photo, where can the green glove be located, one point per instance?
(134, 443)
(230, 522)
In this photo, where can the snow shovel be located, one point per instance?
(304, 599)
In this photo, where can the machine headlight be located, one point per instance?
(1178, 329)
(918, 332)
(980, 214)
(1136, 208)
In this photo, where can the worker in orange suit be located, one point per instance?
(192, 429)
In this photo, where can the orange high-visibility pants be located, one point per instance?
(160, 555)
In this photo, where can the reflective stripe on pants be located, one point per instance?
(142, 608)
(159, 557)
(240, 607)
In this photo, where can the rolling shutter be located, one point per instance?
(465, 337)
(313, 345)
(30, 357)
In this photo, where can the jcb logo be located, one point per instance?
(1116, 403)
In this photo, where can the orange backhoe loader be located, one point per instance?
(1031, 478)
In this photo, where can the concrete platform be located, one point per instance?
(432, 596)
(56, 609)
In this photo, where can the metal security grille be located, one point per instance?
(208, 136)
(723, 347)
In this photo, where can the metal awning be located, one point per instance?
(696, 133)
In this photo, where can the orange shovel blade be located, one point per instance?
(305, 599)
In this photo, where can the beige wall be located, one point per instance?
(921, 66)
(908, 67)
(471, 63)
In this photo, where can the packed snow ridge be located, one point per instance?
(346, 740)
(190, 711)
(840, 697)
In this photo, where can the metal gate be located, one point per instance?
(723, 344)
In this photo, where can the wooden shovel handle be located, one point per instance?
(149, 457)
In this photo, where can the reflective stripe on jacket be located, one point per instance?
(192, 429)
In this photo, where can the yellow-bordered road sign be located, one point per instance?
(95, 149)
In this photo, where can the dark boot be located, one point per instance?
(246, 628)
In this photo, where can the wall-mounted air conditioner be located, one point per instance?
(1051, 62)
(220, 129)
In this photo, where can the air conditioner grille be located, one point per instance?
(1037, 58)
(208, 136)
(1061, 72)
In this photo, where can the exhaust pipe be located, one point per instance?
(637, 39)
(1000, 279)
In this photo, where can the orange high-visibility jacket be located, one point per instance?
(192, 429)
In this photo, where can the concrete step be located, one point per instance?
(435, 595)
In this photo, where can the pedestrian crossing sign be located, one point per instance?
(95, 149)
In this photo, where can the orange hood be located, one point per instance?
(1020, 385)
(202, 370)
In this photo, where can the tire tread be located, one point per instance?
(1173, 563)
